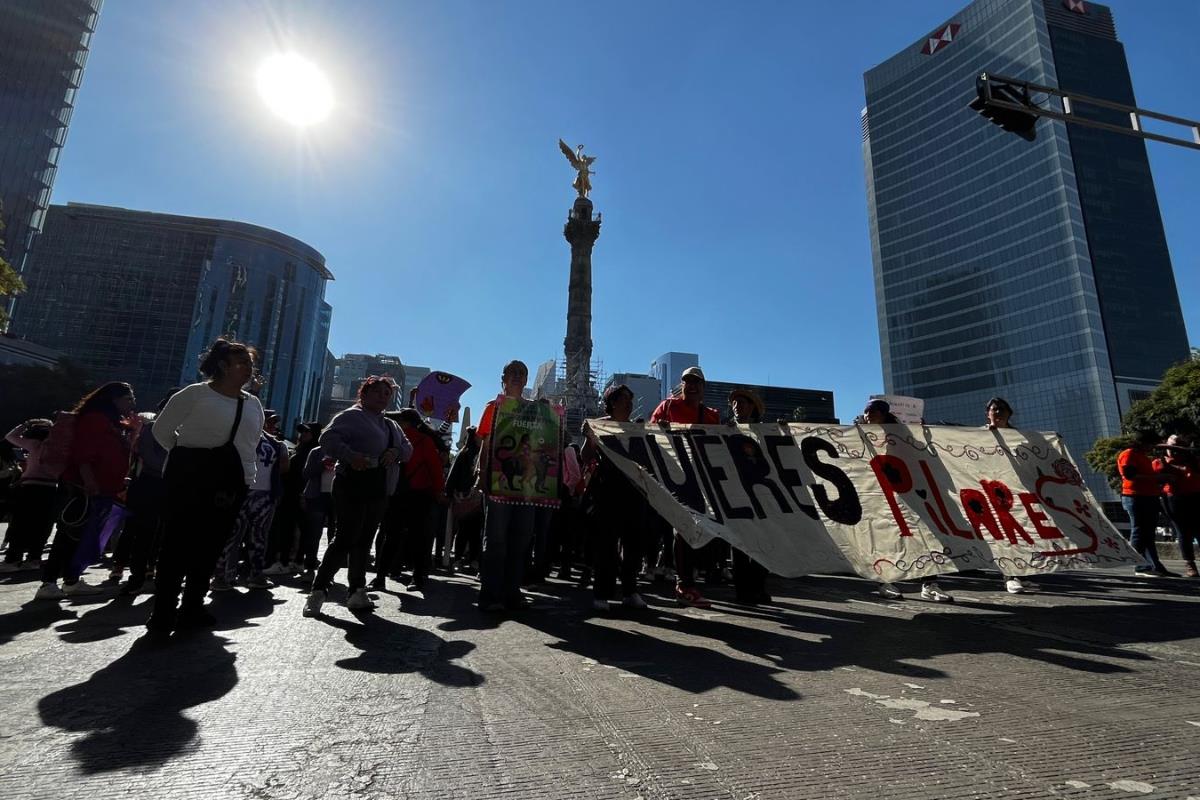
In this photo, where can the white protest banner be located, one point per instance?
(885, 501)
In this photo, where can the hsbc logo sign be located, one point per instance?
(940, 38)
(1078, 6)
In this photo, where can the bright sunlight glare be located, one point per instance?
(295, 89)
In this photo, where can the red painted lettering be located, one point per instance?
(894, 479)
(1041, 523)
(979, 514)
(1001, 499)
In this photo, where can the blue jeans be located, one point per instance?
(1143, 519)
(507, 531)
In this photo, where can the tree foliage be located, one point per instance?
(36, 391)
(1174, 407)
(11, 284)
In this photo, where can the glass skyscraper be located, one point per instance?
(138, 297)
(1037, 271)
(43, 49)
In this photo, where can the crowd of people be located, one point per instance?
(205, 493)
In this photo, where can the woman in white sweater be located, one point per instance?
(210, 430)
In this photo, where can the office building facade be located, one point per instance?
(139, 296)
(1035, 270)
(43, 50)
(647, 391)
(669, 366)
(350, 370)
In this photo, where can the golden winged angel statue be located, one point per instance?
(582, 183)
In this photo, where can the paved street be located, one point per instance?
(1088, 689)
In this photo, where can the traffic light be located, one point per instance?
(988, 92)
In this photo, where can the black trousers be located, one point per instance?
(749, 577)
(407, 534)
(142, 536)
(203, 501)
(616, 546)
(1184, 512)
(34, 510)
(357, 520)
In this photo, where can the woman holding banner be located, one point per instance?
(879, 412)
(999, 413)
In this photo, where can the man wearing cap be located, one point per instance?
(687, 409)
(1181, 495)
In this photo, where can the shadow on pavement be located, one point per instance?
(391, 648)
(132, 709)
(673, 646)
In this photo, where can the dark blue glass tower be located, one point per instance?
(43, 49)
(1035, 270)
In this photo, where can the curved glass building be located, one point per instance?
(137, 296)
(1036, 270)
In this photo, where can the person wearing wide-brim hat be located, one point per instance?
(749, 577)
(746, 405)
(1181, 495)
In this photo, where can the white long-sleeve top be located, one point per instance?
(200, 416)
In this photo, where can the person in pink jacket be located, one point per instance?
(33, 514)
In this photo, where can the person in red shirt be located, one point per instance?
(423, 486)
(1181, 495)
(687, 409)
(94, 476)
(1141, 488)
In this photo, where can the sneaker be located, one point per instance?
(1143, 571)
(259, 581)
(316, 599)
(277, 569)
(219, 585)
(379, 584)
(359, 601)
(9, 567)
(889, 591)
(690, 596)
(634, 601)
(1191, 572)
(930, 591)
(1014, 586)
(602, 606)
(49, 591)
(81, 588)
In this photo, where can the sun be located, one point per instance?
(295, 89)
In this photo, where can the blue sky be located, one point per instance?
(729, 169)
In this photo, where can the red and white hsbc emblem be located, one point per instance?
(940, 38)
(1078, 6)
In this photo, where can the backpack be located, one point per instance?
(56, 450)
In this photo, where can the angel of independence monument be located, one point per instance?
(582, 229)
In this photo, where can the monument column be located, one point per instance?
(581, 230)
